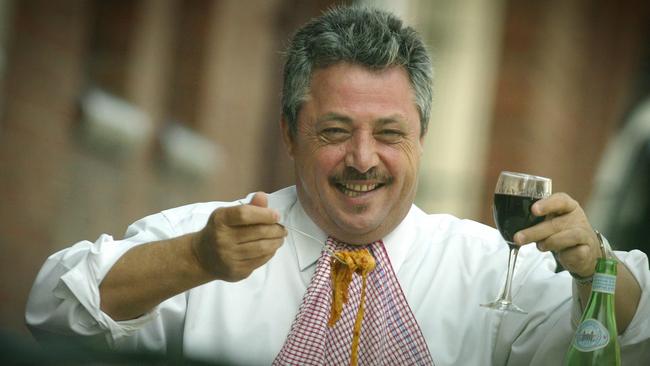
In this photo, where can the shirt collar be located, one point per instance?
(308, 250)
(399, 241)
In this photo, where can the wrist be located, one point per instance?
(605, 252)
(582, 281)
(195, 268)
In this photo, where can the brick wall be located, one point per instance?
(42, 81)
(211, 66)
(565, 82)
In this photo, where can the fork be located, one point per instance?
(325, 247)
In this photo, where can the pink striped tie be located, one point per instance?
(390, 334)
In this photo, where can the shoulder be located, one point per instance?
(176, 221)
(283, 199)
(444, 239)
(192, 217)
(444, 233)
(441, 228)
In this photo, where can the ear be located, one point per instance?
(422, 140)
(287, 137)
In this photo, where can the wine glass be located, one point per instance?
(513, 196)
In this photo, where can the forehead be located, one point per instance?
(359, 92)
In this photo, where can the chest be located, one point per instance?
(247, 322)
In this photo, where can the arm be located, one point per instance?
(627, 296)
(148, 274)
(235, 241)
(568, 233)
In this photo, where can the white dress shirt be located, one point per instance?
(446, 268)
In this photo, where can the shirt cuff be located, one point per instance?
(82, 283)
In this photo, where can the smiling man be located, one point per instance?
(249, 284)
(357, 150)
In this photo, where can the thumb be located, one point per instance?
(260, 199)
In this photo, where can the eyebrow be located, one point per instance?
(396, 118)
(333, 116)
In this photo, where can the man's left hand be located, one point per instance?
(566, 232)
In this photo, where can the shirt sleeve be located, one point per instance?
(65, 296)
(635, 341)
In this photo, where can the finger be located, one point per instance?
(551, 225)
(564, 240)
(252, 251)
(555, 204)
(535, 233)
(246, 215)
(260, 199)
(251, 233)
(554, 224)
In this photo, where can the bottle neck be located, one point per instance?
(604, 283)
(605, 276)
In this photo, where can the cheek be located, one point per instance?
(327, 159)
(403, 159)
(414, 154)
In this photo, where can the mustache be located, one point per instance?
(350, 173)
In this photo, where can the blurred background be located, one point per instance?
(113, 110)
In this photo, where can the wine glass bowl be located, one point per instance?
(514, 195)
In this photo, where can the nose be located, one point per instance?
(361, 152)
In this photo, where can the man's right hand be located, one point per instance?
(238, 239)
(235, 241)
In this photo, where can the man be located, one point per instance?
(234, 282)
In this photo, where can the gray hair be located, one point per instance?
(369, 37)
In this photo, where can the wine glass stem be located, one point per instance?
(512, 259)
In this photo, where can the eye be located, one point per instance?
(334, 133)
(390, 135)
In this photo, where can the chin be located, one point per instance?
(360, 235)
(358, 240)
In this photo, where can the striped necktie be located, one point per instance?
(390, 334)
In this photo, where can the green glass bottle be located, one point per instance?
(596, 341)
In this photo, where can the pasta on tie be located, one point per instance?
(362, 263)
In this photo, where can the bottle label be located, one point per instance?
(604, 283)
(590, 336)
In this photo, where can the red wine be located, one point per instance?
(512, 213)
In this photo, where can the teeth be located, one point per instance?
(354, 190)
(360, 187)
